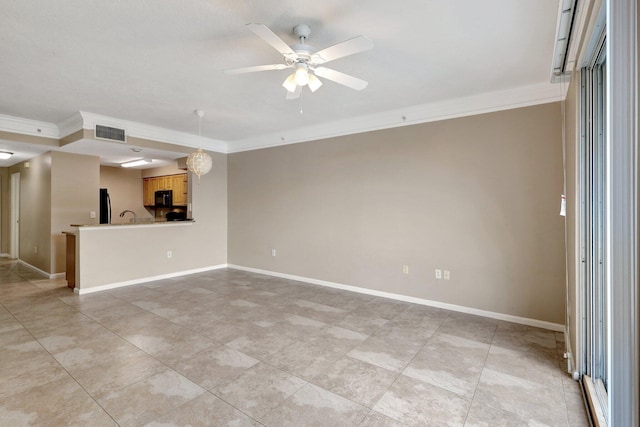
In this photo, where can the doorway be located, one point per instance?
(15, 215)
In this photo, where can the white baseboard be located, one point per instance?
(571, 362)
(3, 255)
(469, 310)
(81, 291)
(49, 275)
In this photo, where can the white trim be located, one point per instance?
(524, 96)
(622, 214)
(28, 127)
(5, 255)
(80, 291)
(139, 130)
(70, 125)
(469, 310)
(49, 275)
(448, 109)
(571, 362)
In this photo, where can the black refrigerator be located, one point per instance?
(105, 207)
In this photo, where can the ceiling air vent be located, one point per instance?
(110, 134)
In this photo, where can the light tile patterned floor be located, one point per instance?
(231, 348)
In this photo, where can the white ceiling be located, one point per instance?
(155, 61)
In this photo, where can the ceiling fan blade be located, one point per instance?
(348, 47)
(270, 37)
(257, 68)
(341, 78)
(295, 94)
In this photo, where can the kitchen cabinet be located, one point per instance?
(179, 187)
(176, 183)
(148, 192)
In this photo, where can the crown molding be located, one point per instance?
(85, 120)
(70, 125)
(154, 133)
(466, 106)
(442, 110)
(28, 127)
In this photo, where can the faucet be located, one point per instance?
(127, 210)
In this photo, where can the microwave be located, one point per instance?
(164, 199)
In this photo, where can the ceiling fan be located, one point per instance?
(306, 61)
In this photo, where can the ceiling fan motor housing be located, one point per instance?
(303, 51)
(302, 30)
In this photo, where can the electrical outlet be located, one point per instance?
(447, 275)
(169, 254)
(438, 273)
(92, 214)
(273, 252)
(405, 269)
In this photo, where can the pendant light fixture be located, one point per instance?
(199, 162)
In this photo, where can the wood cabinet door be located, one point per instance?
(148, 192)
(179, 187)
(163, 183)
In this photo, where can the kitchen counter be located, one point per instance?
(135, 224)
(113, 255)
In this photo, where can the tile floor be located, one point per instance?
(231, 348)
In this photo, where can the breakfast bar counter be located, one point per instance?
(107, 256)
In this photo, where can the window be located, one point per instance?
(593, 199)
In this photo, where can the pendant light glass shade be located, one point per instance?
(290, 83)
(314, 83)
(301, 75)
(199, 163)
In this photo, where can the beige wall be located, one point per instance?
(165, 170)
(478, 196)
(125, 189)
(74, 194)
(120, 254)
(51, 198)
(210, 206)
(35, 211)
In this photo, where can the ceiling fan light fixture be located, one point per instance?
(306, 61)
(290, 83)
(314, 83)
(301, 75)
